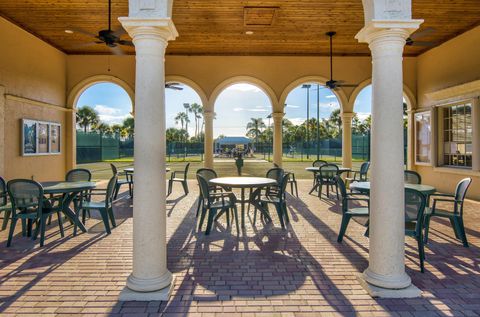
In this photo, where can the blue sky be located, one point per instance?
(234, 106)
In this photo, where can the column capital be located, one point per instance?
(137, 27)
(387, 30)
(277, 116)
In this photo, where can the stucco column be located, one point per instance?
(386, 268)
(150, 36)
(208, 143)
(411, 139)
(71, 140)
(347, 139)
(277, 137)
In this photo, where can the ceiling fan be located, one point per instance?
(412, 40)
(332, 84)
(174, 86)
(108, 37)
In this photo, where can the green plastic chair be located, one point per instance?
(277, 198)
(29, 205)
(347, 212)
(292, 181)
(128, 180)
(105, 207)
(215, 204)
(208, 174)
(360, 175)
(326, 176)
(412, 177)
(455, 216)
(5, 205)
(180, 177)
(415, 203)
(317, 163)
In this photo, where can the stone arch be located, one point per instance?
(407, 93)
(191, 84)
(243, 80)
(339, 93)
(83, 85)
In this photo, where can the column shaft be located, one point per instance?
(208, 145)
(347, 139)
(278, 137)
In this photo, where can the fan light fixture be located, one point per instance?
(249, 32)
(69, 31)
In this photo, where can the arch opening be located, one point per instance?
(312, 126)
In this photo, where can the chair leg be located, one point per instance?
(103, 213)
(320, 188)
(211, 216)
(427, 228)
(343, 227)
(170, 184)
(199, 205)
(336, 190)
(280, 215)
(454, 227)
(235, 212)
(249, 197)
(112, 217)
(6, 216)
(285, 212)
(296, 187)
(461, 232)
(13, 223)
(49, 220)
(185, 187)
(117, 189)
(43, 220)
(60, 224)
(421, 253)
(202, 217)
(24, 227)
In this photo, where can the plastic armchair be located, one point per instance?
(180, 177)
(5, 205)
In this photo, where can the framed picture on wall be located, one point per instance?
(43, 134)
(29, 137)
(40, 138)
(54, 138)
(423, 137)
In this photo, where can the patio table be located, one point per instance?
(316, 169)
(69, 190)
(132, 170)
(243, 183)
(364, 187)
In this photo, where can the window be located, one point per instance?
(457, 134)
(423, 138)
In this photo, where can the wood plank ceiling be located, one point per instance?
(219, 27)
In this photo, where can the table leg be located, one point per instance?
(72, 215)
(243, 206)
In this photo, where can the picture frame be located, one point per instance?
(423, 138)
(40, 137)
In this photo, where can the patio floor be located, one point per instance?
(301, 271)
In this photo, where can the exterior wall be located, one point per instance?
(32, 74)
(453, 63)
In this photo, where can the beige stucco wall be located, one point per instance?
(453, 63)
(209, 72)
(34, 71)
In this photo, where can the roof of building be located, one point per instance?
(233, 140)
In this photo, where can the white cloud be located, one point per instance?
(110, 115)
(105, 110)
(328, 106)
(363, 115)
(330, 96)
(297, 121)
(244, 88)
(257, 109)
(291, 106)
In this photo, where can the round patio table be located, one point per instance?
(243, 183)
(70, 190)
(364, 187)
(316, 169)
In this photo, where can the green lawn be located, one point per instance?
(102, 171)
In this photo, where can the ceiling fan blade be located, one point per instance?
(117, 50)
(126, 43)
(423, 43)
(422, 33)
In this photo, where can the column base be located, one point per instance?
(163, 294)
(411, 291)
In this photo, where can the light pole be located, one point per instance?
(187, 107)
(307, 87)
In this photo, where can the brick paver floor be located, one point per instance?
(264, 271)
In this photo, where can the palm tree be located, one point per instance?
(336, 118)
(188, 109)
(181, 118)
(129, 126)
(87, 117)
(197, 110)
(103, 128)
(254, 128)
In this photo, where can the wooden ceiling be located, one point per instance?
(218, 27)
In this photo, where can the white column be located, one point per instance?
(386, 268)
(208, 145)
(150, 37)
(278, 137)
(347, 139)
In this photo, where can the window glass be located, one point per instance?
(423, 137)
(457, 135)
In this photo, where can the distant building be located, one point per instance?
(228, 143)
